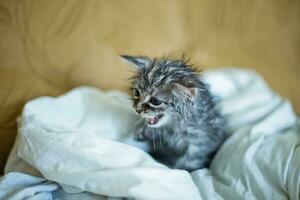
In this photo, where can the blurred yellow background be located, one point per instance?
(48, 47)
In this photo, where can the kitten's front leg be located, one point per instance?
(190, 164)
(192, 160)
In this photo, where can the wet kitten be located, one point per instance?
(179, 115)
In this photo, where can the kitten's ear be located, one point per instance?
(189, 92)
(137, 62)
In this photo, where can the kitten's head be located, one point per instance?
(163, 90)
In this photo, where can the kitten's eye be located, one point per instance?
(135, 94)
(155, 101)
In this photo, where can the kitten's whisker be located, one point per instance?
(153, 141)
(145, 134)
(165, 135)
(165, 138)
(144, 124)
(160, 136)
(136, 123)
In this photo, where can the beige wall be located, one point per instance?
(48, 47)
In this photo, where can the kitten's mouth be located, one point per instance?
(154, 120)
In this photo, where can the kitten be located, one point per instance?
(179, 115)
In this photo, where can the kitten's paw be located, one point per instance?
(189, 165)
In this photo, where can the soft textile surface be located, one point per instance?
(81, 142)
(48, 47)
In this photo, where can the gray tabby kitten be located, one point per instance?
(179, 115)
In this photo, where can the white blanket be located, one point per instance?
(81, 144)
